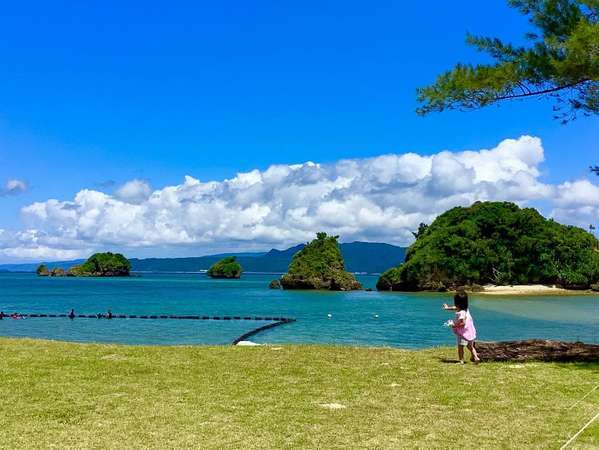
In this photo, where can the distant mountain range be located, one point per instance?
(365, 257)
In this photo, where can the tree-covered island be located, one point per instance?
(227, 268)
(42, 271)
(319, 265)
(98, 265)
(495, 243)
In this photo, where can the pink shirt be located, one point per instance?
(468, 331)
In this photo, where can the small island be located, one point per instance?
(319, 265)
(227, 268)
(42, 271)
(498, 244)
(98, 265)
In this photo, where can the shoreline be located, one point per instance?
(530, 289)
(8, 339)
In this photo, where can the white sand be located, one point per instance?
(526, 289)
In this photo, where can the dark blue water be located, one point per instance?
(404, 320)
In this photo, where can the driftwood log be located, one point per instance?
(538, 350)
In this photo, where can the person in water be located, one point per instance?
(463, 326)
(72, 314)
(109, 315)
(1, 315)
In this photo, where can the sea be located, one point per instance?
(359, 318)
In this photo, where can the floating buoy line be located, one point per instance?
(275, 321)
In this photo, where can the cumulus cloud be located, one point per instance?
(134, 191)
(35, 246)
(577, 203)
(13, 187)
(378, 199)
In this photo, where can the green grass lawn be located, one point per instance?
(105, 396)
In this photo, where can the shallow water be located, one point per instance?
(404, 320)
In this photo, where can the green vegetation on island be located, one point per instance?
(98, 265)
(319, 265)
(495, 243)
(330, 397)
(103, 265)
(42, 271)
(226, 268)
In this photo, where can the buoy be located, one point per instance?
(376, 316)
(247, 344)
(329, 315)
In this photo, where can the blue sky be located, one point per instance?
(95, 94)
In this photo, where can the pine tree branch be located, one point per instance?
(542, 92)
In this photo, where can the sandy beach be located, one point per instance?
(529, 289)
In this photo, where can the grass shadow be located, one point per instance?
(447, 360)
(580, 365)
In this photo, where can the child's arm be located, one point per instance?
(459, 323)
(446, 307)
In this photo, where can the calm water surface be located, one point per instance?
(404, 320)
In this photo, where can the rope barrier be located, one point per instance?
(255, 331)
(585, 396)
(144, 316)
(275, 321)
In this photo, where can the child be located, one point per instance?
(463, 326)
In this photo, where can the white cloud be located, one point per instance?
(134, 191)
(41, 253)
(35, 246)
(577, 193)
(378, 199)
(13, 187)
(577, 203)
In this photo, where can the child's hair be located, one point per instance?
(460, 300)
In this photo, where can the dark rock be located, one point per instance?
(57, 272)
(475, 288)
(595, 287)
(538, 350)
(344, 283)
(275, 284)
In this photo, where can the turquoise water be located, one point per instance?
(404, 320)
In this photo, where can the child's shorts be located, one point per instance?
(462, 341)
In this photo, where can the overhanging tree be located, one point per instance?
(561, 62)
